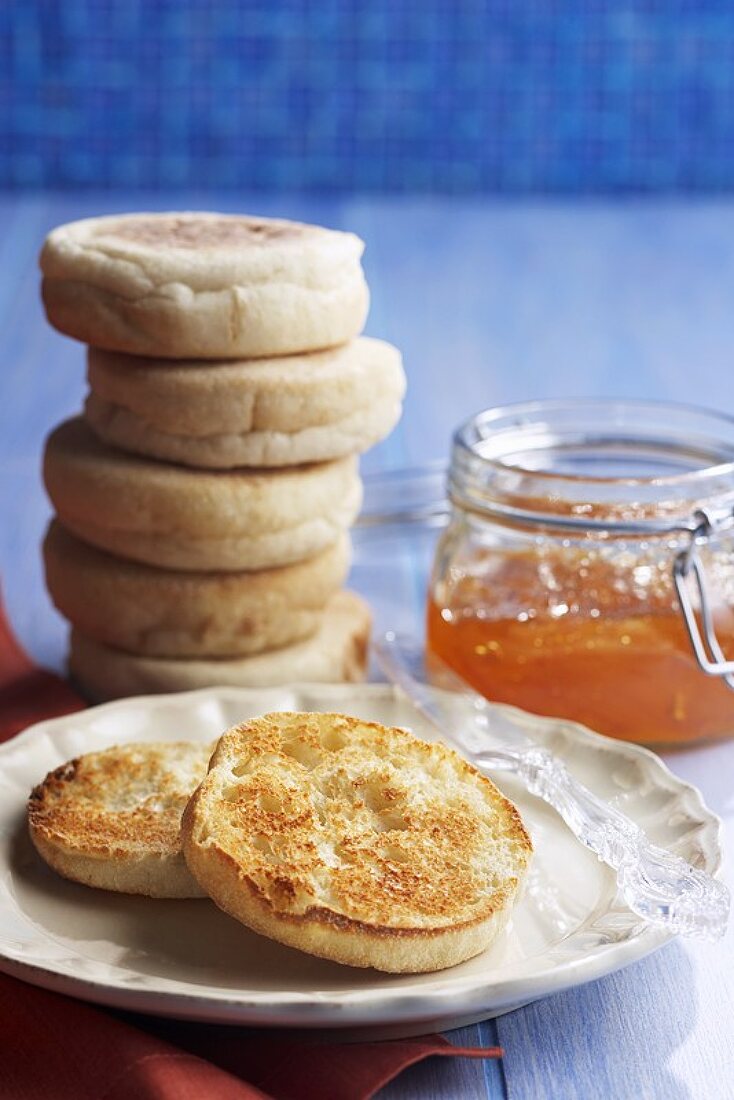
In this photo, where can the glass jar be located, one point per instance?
(578, 529)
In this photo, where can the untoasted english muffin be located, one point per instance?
(256, 412)
(160, 613)
(112, 819)
(355, 842)
(203, 285)
(336, 653)
(179, 518)
(227, 450)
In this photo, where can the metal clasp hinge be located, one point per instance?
(688, 566)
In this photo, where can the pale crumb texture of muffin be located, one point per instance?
(355, 842)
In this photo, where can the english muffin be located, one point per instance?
(336, 653)
(112, 819)
(158, 613)
(179, 518)
(258, 412)
(355, 842)
(203, 285)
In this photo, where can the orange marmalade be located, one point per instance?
(552, 587)
(627, 671)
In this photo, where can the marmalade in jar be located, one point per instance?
(583, 648)
(553, 585)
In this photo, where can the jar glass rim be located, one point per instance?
(527, 409)
(605, 461)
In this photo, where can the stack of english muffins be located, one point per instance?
(204, 498)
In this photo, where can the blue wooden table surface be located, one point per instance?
(490, 302)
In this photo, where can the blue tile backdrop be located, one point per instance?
(369, 95)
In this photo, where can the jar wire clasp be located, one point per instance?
(688, 566)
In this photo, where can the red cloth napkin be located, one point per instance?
(55, 1048)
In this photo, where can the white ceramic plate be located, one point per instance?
(187, 959)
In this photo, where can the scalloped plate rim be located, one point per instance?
(354, 1007)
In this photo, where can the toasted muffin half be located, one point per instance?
(355, 842)
(112, 819)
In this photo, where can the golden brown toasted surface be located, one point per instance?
(113, 800)
(331, 818)
(113, 818)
